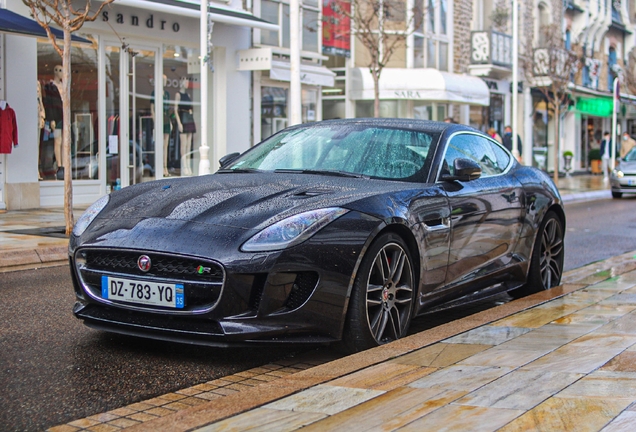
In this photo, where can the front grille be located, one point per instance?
(202, 279)
(163, 266)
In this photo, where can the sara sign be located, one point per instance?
(336, 28)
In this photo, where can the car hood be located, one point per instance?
(628, 167)
(245, 201)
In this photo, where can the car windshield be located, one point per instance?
(364, 150)
(631, 155)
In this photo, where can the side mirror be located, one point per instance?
(228, 159)
(465, 170)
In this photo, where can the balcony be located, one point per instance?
(491, 53)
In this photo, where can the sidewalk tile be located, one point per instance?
(463, 418)
(464, 378)
(604, 384)
(263, 419)
(325, 399)
(384, 376)
(404, 404)
(440, 354)
(568, 414)
(519, 389)
(488, 335)
(503, 357)
(625, 422)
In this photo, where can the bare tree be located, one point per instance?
(551, 68)
(69, 19)
(382, 27)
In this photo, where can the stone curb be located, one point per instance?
(587, 196)
(19, 259)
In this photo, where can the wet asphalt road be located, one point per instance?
(55, 370)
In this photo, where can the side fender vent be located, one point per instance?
(303, 287)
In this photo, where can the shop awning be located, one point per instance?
(420, 84)
(310, 75)
(11, 22)
(191, 8)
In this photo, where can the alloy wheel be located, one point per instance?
(551, 254)
(390, 294)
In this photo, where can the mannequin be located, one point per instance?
(167, 124)
(53, 111)
(185, 123)
(41, 121)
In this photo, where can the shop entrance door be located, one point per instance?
(130, 129)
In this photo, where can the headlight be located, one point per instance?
(85, 220)
(293, 230)
(618, 173)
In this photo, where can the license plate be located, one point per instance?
(631, 182)
(143, 292)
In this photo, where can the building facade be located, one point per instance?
(135, 99)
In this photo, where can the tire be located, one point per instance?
(381, 303)
(617, 194)
(546, 264)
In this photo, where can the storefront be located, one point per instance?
(416, 93)
(497, 114)
(122, 132)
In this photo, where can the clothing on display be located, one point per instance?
(8, 128)
(185, 113)
(53, 108)
(167, 127)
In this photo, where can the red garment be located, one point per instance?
(8, 130)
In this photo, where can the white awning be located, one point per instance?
(420, 84)
(311, 75)
(190, 8)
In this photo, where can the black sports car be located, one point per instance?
(336, 230)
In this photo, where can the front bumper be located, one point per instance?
(296, 295)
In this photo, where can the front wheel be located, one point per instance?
(546, 264)
(381, 302)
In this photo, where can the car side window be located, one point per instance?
(492, 158)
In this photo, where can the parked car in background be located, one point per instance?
(623, 177)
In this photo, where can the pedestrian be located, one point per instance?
(507, 141)
(606, 144)
(494, 135)
(627, 144)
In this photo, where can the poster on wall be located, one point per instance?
(336, 28)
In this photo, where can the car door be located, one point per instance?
(486, 213)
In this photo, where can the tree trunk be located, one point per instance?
(557, 131)
(375, 73)
(66, 132)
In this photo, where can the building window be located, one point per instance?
(430, 40)
(277, 12)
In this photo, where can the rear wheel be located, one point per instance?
(546, 264)
(617, 194)
(381, 303)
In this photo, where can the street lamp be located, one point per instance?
(294, 62)
(204, 161)
(515, 74)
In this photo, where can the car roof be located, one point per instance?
(402, 123)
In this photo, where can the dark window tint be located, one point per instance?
(492, 158)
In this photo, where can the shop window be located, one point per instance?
(83, 121)
(181, 111)
(273, 110)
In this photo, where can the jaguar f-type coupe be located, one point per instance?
(339, 230)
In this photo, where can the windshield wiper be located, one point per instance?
(320, 172)
(239, 170)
